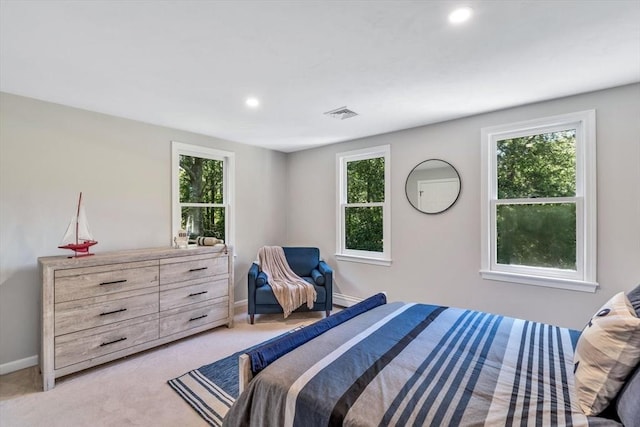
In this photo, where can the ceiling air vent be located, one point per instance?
(341, 113)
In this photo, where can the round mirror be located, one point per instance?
(433, 186)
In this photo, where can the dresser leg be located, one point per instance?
(48, 381)
(251, 318)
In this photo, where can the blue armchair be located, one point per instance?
(305, 262)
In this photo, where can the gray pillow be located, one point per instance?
(627, 405)
(634, 299)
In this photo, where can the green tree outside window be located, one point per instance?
(201, 184)
(532, 233)
(365, 186)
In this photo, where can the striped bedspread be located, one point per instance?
(414, 364)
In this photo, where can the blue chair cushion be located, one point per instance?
(318, 277)
(302, 260)
(261, 280)
(265, 296)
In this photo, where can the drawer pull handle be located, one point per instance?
(199, 317)
(114, 311)
(197, 269)
(113, 342)
(114, 282)
(198, 293)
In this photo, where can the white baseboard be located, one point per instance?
(16, 365)
(240, 306)
(345, 300)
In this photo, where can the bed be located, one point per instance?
(379, 364)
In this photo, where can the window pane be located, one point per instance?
(206, 221)
(541, 165)
(201, 180)
(537, 235)
(363, 228)
(365, 181)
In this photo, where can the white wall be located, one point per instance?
(436, 258)
(49, 153)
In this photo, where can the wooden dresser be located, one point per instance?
(102, 307)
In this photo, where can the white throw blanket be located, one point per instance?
(290, 290)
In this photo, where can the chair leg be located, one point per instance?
(328, 313)
(251, 318)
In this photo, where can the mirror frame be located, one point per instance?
(450, 205)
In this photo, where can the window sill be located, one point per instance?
(549, 282)
(363, 260)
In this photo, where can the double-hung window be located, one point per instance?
(202, 192)
(363, 218)
(539, 202)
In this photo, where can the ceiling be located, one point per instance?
(191, 65)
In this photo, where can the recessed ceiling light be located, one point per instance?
(252, 102)
(460, 15)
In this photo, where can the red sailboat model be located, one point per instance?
(78, 238)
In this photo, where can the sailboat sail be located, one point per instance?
(83, 226)
(83, 229)
(70, 234)
(78, 237)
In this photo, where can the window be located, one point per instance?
(539, 202)
(202, 192)
(364, 220)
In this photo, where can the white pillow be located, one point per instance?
(607, 352)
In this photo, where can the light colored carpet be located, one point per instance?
(133, 391)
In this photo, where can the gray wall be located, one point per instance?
(49, 153)
(436, 258)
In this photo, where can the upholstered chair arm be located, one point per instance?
(324, 268)
(251, 282)
(327, 272)
(253, 272)
(259, 278)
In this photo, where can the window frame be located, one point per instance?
(584, 277)
(228, 172)
(368, 257)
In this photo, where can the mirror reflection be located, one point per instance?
(433, 186)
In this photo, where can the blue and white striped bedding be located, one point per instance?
(415, 364)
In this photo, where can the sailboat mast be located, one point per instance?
(78, 217)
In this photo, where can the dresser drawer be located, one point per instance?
(192, 267)
(88, 344)
(193, 291)
(182, 319)
(72, 316)
(79, 283)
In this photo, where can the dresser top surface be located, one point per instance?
(62, 261)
